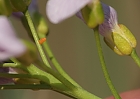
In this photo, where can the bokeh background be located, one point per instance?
(73, 44)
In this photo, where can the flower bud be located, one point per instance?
(129, 36)
(20, 5)
(5, 7)
(122, 41)
(93, 14)
(117, 37)
(40, 23)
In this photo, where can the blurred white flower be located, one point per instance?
(59, 10)
(10, 45)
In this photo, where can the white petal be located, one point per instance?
(10, 45)
(59, 10)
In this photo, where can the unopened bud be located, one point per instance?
(5, 7)
(40, 23)
(122, 41)
(20, 5)
(128, 35)
(93, 14)
(117, 37)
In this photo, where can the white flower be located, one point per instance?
(59, 10)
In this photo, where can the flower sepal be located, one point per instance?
(121, 40)
(20, 5)
(122, 44)
(128, 35)
(5, 7)
(40, 23)
(93, 14)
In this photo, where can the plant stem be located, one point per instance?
(106, 74)
(31, 87)
(57, 65)
(135, 57)
(36, 38)
(54, 78)
(76, 91)
(67, 88)
(25, 86)
(9, 64)
(15, 75)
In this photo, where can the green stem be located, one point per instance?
(40, 74)
(36, 38)
(76, 91)
(49, 79)
(135, 57)
(25, 86)
(67, 88)
(15, 75)
(106, 74)
(9, 65)
(57, 65)
(56, 85)
(14, 65)
(31, 87)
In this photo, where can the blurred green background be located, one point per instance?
(73, 44)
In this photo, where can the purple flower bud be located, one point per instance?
(110, 21)
(33, 7)
(18, 15)
(10, 45)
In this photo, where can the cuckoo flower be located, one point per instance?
(10, 45)
(117, 37)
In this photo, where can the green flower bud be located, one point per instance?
(117, 37)
(122, 40)
(40, 23)
(128, 35)
(5, 7)
(93, 14)
(20, 5)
